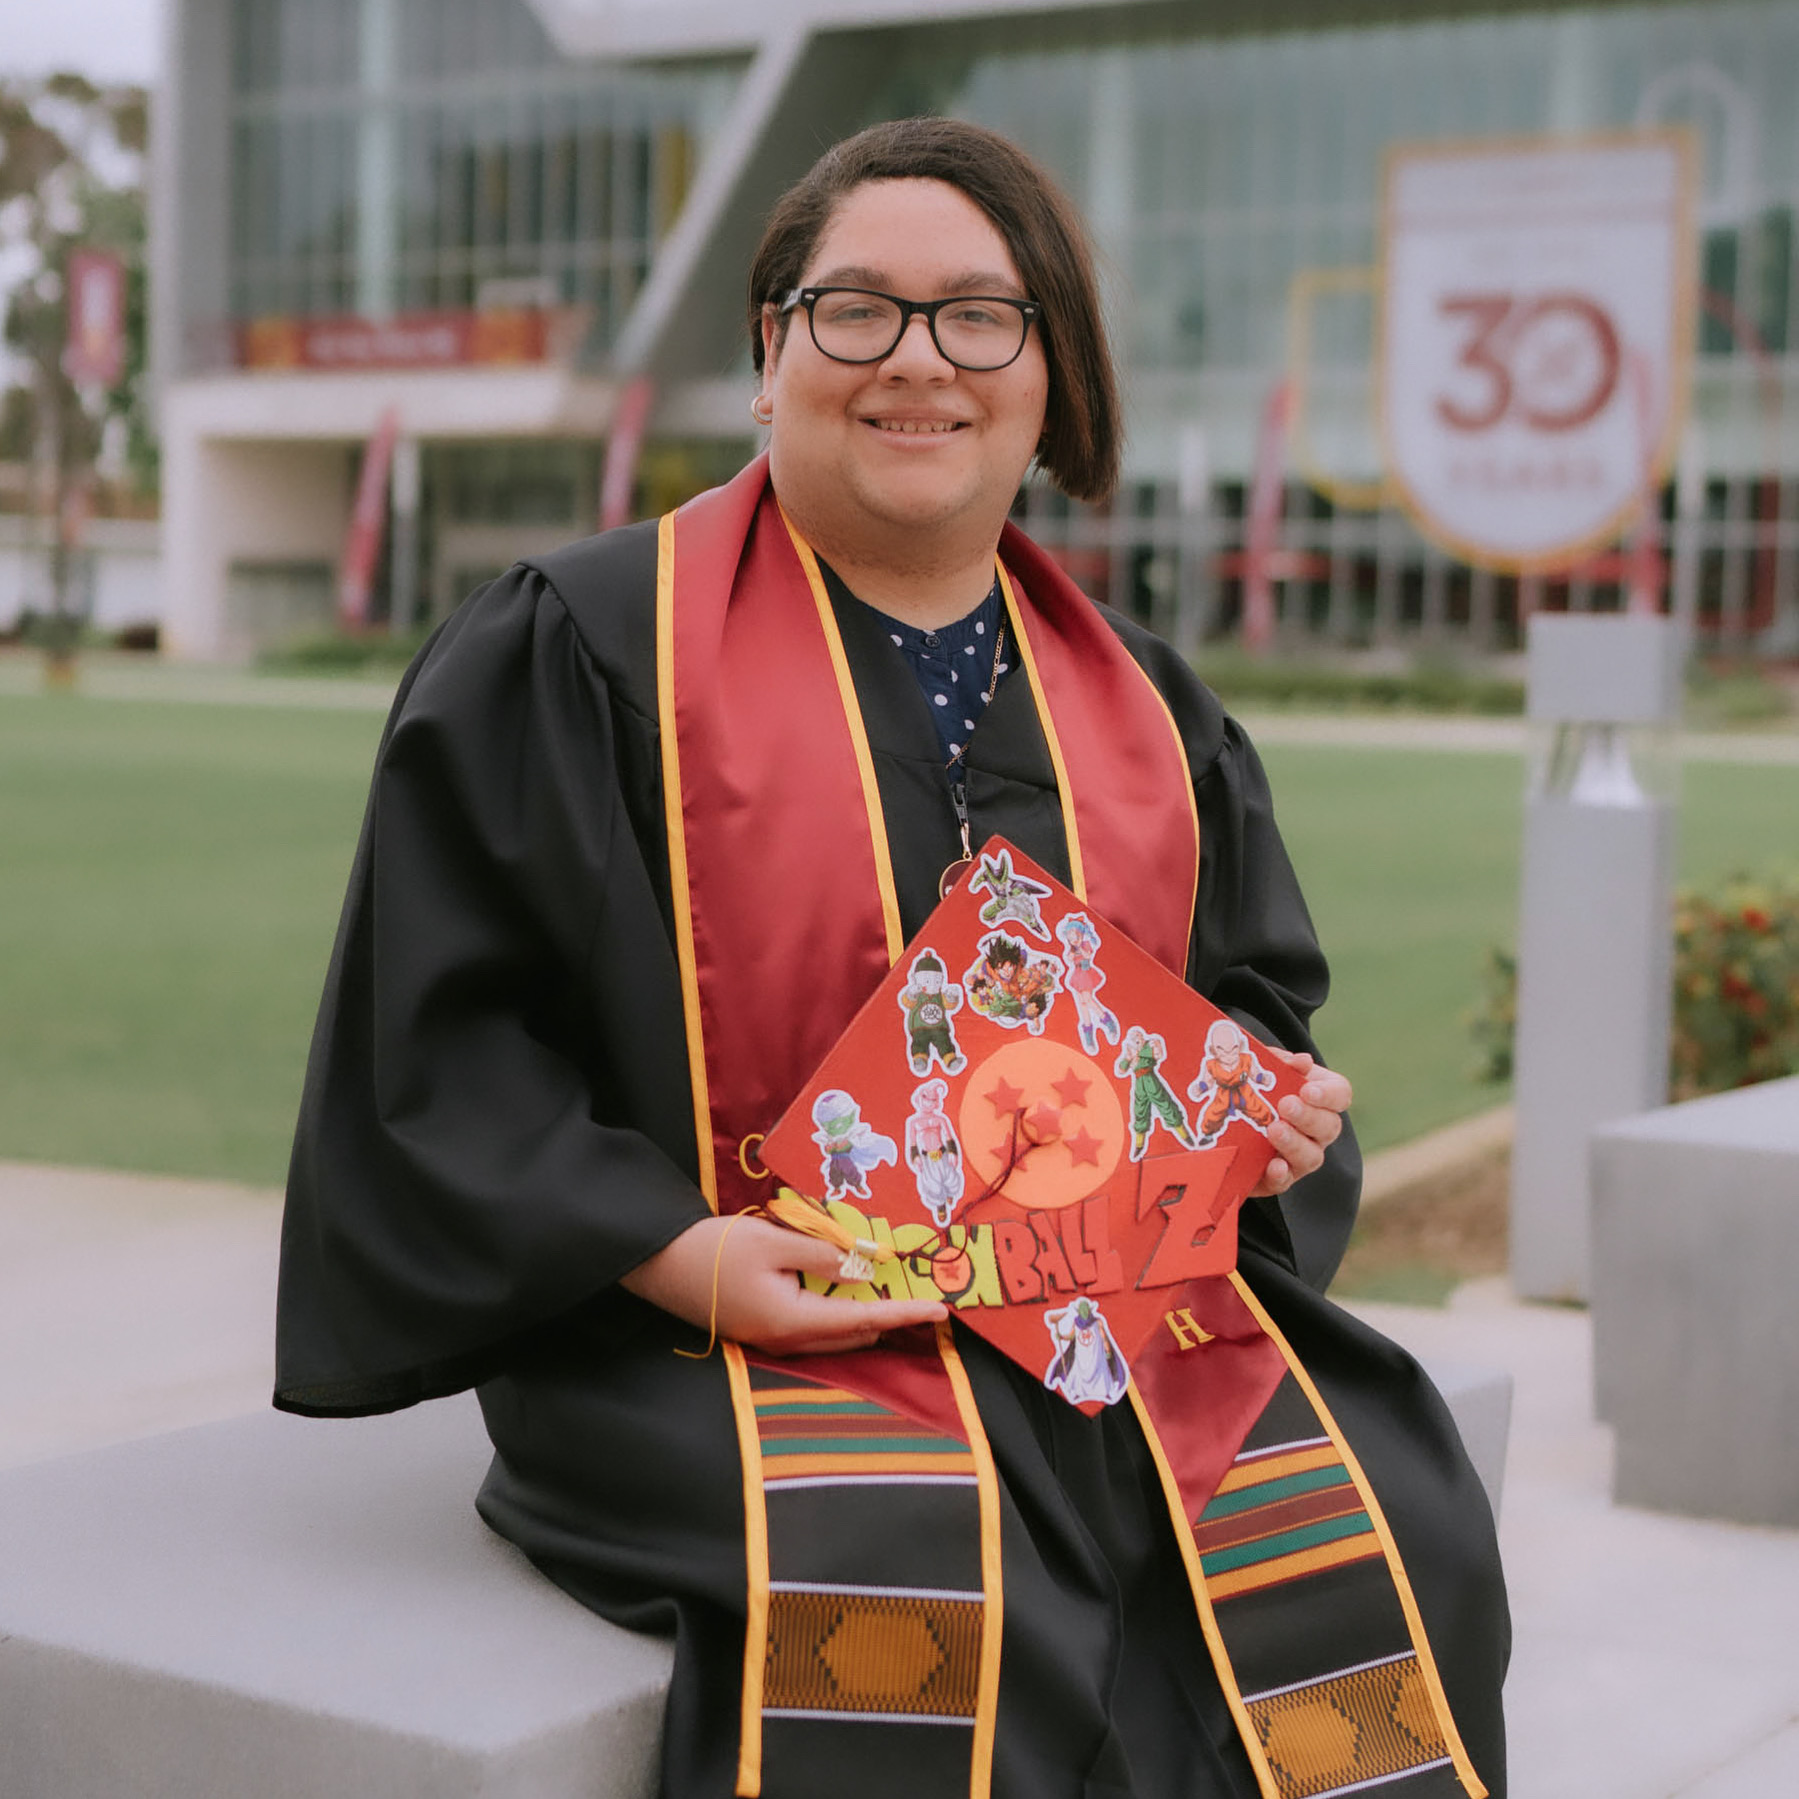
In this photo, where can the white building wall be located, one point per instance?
(127, 572)
(125, 556)
(257, 467)
(228, 500)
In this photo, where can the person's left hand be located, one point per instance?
(1310, 1121)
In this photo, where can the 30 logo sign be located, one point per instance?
(1536, 312)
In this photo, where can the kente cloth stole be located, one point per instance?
(871, 1504)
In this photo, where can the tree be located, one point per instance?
(71, 177)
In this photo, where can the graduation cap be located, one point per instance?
(1035, 1121)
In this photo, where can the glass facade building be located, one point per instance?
(410, 155)
(391, 159)
(1219, 171)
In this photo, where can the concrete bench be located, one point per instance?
(285, 1609)
(276, 1608)
(1695, 1324)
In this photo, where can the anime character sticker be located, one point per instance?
(1140, 1058)
(933, 1153)
(1083, 978)
(1012, 985)
(1015, 897)
(851, 1146)
(930, 1007)
(1086, 1363)
(1230, 1084)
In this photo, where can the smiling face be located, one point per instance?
(910, 460)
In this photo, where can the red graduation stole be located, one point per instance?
(786, 918)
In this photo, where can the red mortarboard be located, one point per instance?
(1046, 1125)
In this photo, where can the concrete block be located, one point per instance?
(1695, 1330)
(1594, 953)
(1603, 668)
(1769, 1767)
(1480, 1401)
(302, 1610)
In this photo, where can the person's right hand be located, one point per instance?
(760, 1303)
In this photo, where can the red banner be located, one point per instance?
(94, 355)
(412, 340)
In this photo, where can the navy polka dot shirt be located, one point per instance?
(954, 665)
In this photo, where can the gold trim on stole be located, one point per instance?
(986, 1705)
(1202, 1602)
(755, 1556)
(1414, 1619)
(749, 1442)
(865, 765)
(1221, 1662)
(678, 879)
(1077, 867)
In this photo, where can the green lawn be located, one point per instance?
(172, 873)
(1409, 861)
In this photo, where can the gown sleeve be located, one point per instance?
(495, 1122)
(1254, 953)
(1256, 956)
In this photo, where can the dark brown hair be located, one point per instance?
(1080, 447)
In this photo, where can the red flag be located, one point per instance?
(94, 354)
(628, 422)
(1263, 535)
(367, 522)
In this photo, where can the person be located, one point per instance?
(651, 817)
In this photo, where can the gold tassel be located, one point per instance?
(860, 1254)
(811, 1219)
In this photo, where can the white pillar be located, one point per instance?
(377, 161)
(1595, 926)
(1574, 65)
(1193, 498)
(1689, 520)
(1110, 190)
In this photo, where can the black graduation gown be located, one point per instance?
(496, 1125)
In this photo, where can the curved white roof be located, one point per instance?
(628, 28)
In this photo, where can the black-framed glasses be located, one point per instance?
(978, 332)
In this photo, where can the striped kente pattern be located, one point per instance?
(1365, 1727)
(866, 1626)
(1338, 1696)
(816, 1432)
(911, 1657)
(1279, 1515)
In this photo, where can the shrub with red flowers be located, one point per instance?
(1736, 987)
(1736, 991)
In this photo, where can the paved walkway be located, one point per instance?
(1653, 1657)
(1487, 736)
(129, 1305)
(1656, 1658)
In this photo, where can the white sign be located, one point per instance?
(1535, 334)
